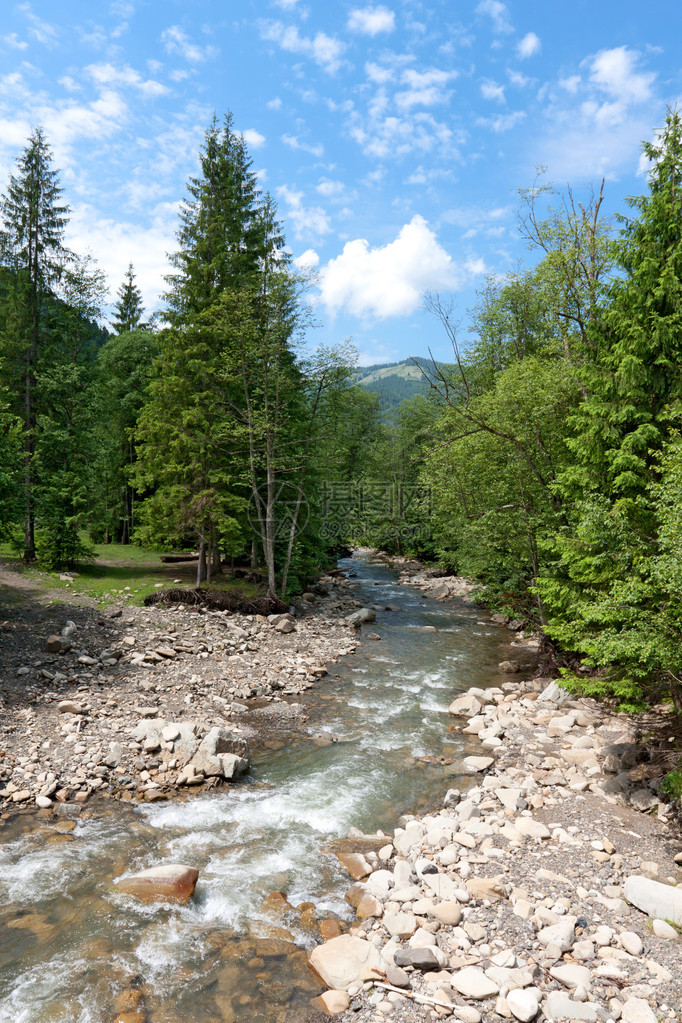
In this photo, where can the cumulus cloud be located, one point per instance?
(307, 221)
(178, 42)
(330, 189)
(114, 243)
(615, 71)
(370, 21)
(308, 260)
(253, 138)
(498, 13)
(323, 49)
(491, 90)
(108, 75)
(388, 280)
(424, 88)
(528, 46)
(597, 131)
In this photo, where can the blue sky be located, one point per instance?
(393, 136)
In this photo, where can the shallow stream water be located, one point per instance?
(70, 946)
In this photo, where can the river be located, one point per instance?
(69, 944)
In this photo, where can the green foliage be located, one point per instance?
(129, 308)
(60, 545)
(611, 585)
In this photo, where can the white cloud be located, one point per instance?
(274, 104)
(377, 73)
(14, 41)
(528, 46)
(323, 49)
(177, 41)
(316, 149)
(108, 75)
(307, 221)
(115, 242)
(424, 88)
(498, 13)
(570, 84)
(370, 21)
(388, 280)
(614, 71)
(503, 122)
(596, 129)
(253, 138)
(41, 30)
(390, 136)
(307, 260)
(329, 189)
(491, 90)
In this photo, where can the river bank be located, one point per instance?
(544, 890)
(145, 702)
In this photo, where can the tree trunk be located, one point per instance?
(201, 563)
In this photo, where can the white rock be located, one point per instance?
(562, 934)
(523, 1004)
(631, 942)
(473, 983)
(558, 1006)
(571, 975)
(340, 962)
(531, 828)
(655, 899)
(400, 925)
(660, 927)
(636, 1010)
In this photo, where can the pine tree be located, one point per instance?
(129, 308)
(33, 251)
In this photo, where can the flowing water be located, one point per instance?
(70, 945)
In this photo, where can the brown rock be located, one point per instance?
(329, 929)
(368, 907)
(356, 865)
(170, 882)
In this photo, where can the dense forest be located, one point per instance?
(545, 460)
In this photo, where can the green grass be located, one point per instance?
(121, 572)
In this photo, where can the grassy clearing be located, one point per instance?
(120, 572)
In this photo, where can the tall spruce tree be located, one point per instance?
(185, 450)
(129, 308)
(34, 220)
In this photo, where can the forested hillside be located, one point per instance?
(395, 382)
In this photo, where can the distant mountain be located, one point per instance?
(394, 382)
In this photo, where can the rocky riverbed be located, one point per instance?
(549, 887)
(142, 703)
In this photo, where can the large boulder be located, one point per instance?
(169, 882)
(220, 740)
(343, 961)
(365, 614)
(655, 899)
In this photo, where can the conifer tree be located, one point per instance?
(129, 308)
(34, 221)
(185, 450)
(633, 388)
